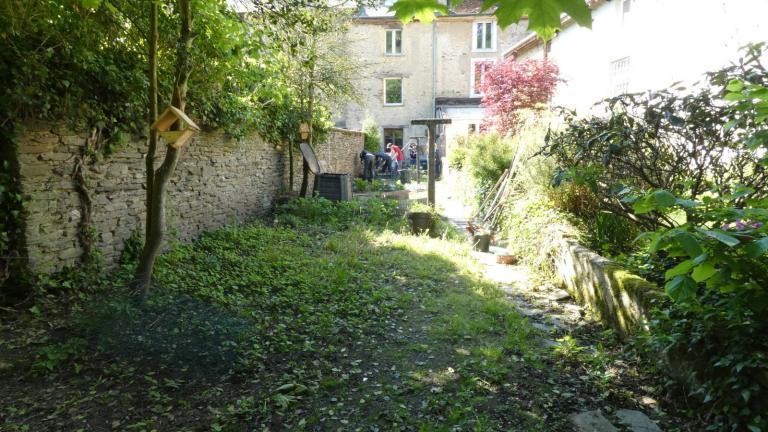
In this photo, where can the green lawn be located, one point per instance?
(312, 327)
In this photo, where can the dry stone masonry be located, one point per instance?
(217, 181)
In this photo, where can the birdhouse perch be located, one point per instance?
(175, 138)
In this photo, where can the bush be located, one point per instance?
(489, 155)
(459, 152)
(372, 137)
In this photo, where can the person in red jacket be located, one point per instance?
(397, 155)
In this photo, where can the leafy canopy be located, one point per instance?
(513, 86)
(544, 16)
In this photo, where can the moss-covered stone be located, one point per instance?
(618, 297)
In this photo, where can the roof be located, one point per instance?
(533, 40)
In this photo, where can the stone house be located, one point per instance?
(421, 70)
(638, 45)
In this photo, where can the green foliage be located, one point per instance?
(604, 232)
(457, 158)
(372, 135)
(377, 185)
(544, 16)
(11, 208)
(532, 226)
(682, 144)
(50, 358)
(85, 63)
(689, 169)
(489, 156)
(340, 214)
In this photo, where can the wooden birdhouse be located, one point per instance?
(175, 138)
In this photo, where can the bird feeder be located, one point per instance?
(304, 131)
(179, 137)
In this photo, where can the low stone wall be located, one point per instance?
(217, 181)
(618, 297)
(340, 152)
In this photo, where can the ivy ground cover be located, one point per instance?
(304, 328)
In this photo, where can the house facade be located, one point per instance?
(420, 70)
(639, 45)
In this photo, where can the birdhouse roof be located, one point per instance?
(169, 117)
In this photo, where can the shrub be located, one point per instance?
(489, 155)
(458, 156)
(372, 137)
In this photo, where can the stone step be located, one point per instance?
(595, 421)
(592, 421)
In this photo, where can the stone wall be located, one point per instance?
(217, 181)
(618, 297)
(340, 151)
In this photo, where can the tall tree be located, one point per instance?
(156, 190)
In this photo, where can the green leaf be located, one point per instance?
(543, 15)
(658, 200)
(735, 97)
(735, 86)
(681, 288)
(688, 243)
(720, 236)
(703, 271)
(680, 269)
(422, 10)
(757, 248)
(91, 4)
(663, 199)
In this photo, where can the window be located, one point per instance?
(619, 75)
(394, 136)
(626, 6)
(477, 73)
(484, 37)
(394, 44)
(393, 91)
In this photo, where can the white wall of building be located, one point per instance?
(664, 41)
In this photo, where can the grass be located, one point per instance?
(298, 326)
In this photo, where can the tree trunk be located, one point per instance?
(290, 165)
(311, 101)
(156, 215)
(153, 113)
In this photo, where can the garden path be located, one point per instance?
(549, 309)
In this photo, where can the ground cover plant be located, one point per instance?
(290, 325)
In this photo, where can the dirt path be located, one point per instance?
(556, 315)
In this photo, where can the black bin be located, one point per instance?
(334, 187)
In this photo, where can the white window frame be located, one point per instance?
(402, 91)
(394, 32)
(620, 72)
(472, 64)
(493, 36)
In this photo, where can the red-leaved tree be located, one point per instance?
(512, 86)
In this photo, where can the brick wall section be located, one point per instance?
(341, 152)
(217, 181)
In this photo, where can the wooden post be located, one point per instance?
(431, 126)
